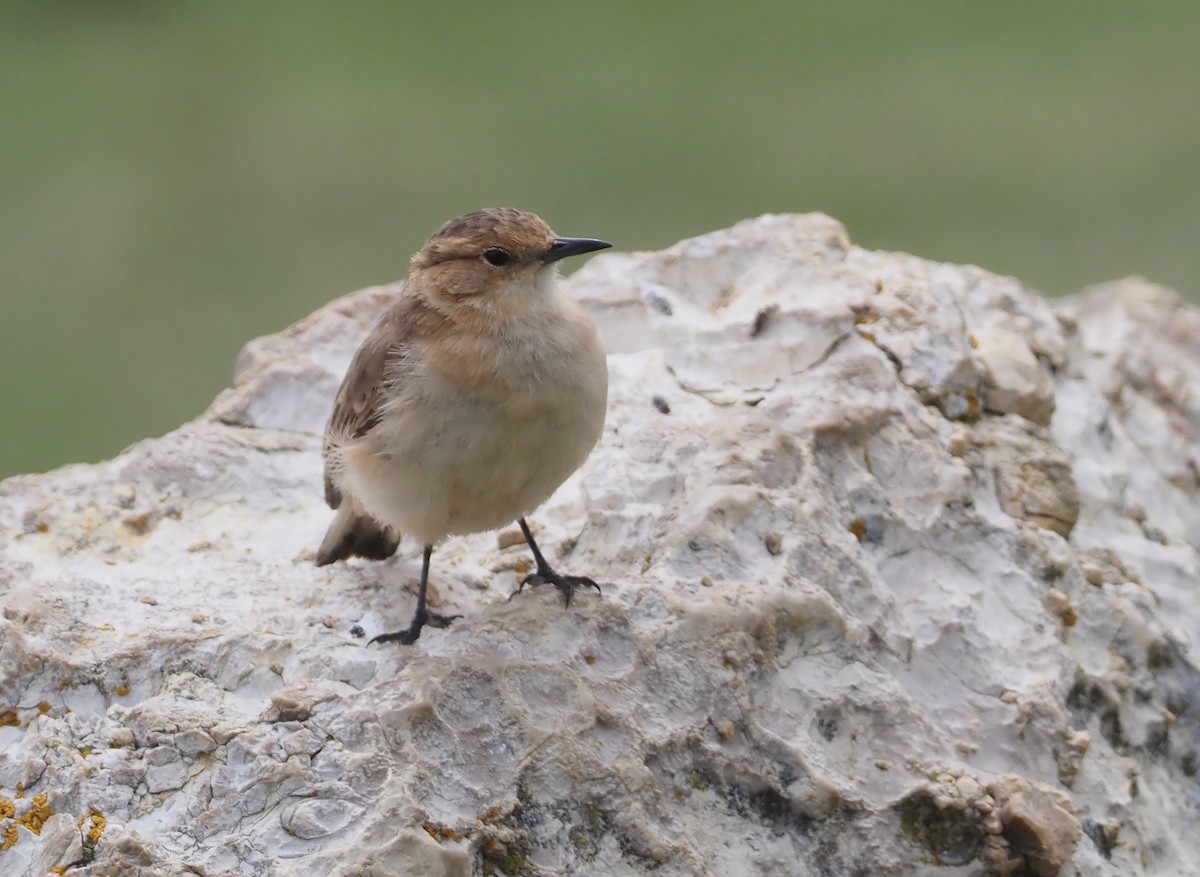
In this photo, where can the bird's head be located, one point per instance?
(494, 259)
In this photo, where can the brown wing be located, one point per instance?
(377, 364)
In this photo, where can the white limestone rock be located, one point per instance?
(900, 578)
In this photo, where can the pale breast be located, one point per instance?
(474, 442)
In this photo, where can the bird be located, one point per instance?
(480, 389)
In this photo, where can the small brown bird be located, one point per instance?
(478, 392)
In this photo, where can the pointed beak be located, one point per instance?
(563, 247)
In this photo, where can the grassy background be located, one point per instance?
(180, 177)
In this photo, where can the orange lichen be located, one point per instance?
(9, 718)
(859, 528)
(35, 817)
(121, 690)
(44, 707)
(441, 833)
(7, 809)
(98, 824)
(10, 836)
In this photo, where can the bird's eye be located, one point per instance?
(497, 256)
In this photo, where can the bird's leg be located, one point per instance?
(422, 616)
(544, 575)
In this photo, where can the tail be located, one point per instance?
(354, 534)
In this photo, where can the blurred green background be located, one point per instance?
(178, 178)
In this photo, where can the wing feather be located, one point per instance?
(377, 365)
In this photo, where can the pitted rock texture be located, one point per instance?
(900, 577)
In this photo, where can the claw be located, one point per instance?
(436, 619)
(566, 584)
(405, 637)
(544, 574)
(409, 635)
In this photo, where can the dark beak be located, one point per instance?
(563, 247)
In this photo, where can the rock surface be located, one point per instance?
(901, 578)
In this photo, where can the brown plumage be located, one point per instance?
(474, 396)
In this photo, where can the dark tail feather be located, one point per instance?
(355, 535)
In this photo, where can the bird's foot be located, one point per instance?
(436, 619)
(566, 584)
(409, 635)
